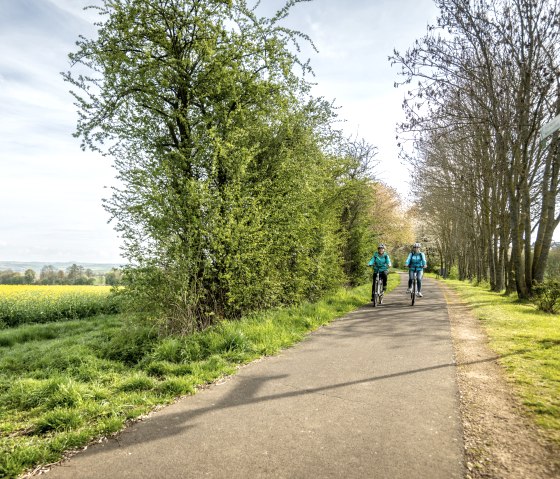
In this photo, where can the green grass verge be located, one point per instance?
(64, 384)
(528, 343)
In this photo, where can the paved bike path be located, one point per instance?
(372, 395)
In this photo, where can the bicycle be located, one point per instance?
(414, 288)
(377, 296)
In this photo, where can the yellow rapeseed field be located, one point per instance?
(38, 304)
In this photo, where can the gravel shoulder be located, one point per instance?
(500, 439)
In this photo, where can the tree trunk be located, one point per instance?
(547, 221)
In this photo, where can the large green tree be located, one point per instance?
(226, 192)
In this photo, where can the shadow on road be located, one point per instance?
(243, 394)
(395, 319)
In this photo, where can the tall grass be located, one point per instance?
(21, 304)
(528, 343)
(63, 384)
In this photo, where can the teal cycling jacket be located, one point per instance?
(380, 263)
(416, 260)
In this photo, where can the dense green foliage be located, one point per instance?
(232, 199)
(553, 263)
(356, 200)
(63, 384)
(547, 295)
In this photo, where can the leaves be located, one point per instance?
(227, 197)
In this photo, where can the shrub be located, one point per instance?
(131, 345)
(547, 295)
(453, 273)
(553, 263)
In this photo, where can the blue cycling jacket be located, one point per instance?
(416, 260)
(380, 262)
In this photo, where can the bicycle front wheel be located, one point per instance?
(413, 290)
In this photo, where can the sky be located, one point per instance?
(51, 191)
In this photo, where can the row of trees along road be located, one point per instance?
(238, 192)
(481, 84)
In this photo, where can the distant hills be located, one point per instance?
(21, 266)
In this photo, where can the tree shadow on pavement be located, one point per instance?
(245, 393)
(393, 319)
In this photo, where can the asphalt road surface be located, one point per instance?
(372, 395)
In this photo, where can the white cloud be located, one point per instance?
(51, 191)
(79, 9)
(352, 67)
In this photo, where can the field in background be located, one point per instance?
(22, 304)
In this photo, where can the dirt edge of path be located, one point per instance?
(500, 439)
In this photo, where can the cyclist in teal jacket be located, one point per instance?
(381, 264)
(416, 262)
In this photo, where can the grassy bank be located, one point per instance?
(64, 383)
(528, 342)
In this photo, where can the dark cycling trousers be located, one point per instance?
(383, 278)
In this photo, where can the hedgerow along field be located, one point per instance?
(23, 304)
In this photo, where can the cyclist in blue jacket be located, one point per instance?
(381, 264)
(416, 262)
